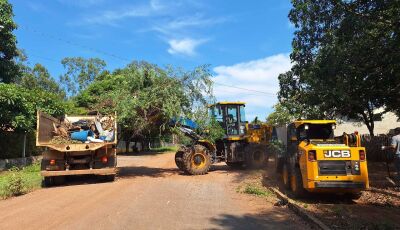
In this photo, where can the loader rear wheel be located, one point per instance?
(179, 160)
(285, 176)
(296, 184)
(255, 157)
(197, 161)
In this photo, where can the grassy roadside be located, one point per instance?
(16, 181)
(165, 149)
(252, 184)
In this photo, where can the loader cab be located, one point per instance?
(315, 131)
(307, 130)
(231, 116)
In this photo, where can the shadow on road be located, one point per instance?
(144, 153)
(142, 171)
(265, 220)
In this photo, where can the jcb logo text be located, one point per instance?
(337, 153)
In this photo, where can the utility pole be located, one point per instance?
(24, 147)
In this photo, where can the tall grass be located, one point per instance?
(15, 181)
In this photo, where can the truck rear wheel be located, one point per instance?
(255, 157)
(296, 184)
(109, 178)
(285, 176)
(179, 160)
(197, 161)
(49, 181)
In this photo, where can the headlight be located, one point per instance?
(242, 128)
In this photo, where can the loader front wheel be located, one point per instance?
(296, 184)
(286, 176)
(197, 161)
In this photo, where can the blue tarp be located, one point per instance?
(185, 122)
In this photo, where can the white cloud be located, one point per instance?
(260, 77)
(110, 17)
(186, 46)
(197, 20)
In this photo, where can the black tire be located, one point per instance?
(235, 165)
(354, 196)
(47, 181)
(278, 164)
(109, 178)
(286, 176)
(296, 184)
(179, 160)
(197, 161)
(255, 157)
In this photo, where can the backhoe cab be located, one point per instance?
(244, 144)
(316, 161)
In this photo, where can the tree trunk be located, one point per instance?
(369, 121)
(127, 146)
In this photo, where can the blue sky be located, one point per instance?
(247, 43)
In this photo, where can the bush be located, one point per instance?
(15, 184)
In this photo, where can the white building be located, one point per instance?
(389, 121)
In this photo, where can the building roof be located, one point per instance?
(228, 103)
(300, 122)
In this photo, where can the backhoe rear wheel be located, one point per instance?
(296, 184)
(255, 157)
(197, 161)
(179, 159)
(235, 165)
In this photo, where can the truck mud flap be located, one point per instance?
(106, 171)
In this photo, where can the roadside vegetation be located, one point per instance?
(15, 181)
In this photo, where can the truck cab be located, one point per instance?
(316, 161)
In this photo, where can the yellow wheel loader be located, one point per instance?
(244, 144)
(315, 161)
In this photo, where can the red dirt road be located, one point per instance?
(150, 193)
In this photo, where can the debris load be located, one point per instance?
(98, 130)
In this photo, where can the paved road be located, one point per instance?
(149, 193)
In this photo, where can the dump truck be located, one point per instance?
(244, 144)
(314, 161)
(66, 158)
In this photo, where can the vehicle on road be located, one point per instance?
(315, 161)
(244, 144)
(82, 158)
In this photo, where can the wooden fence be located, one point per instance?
(373, 146)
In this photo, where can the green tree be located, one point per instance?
(8, 48)
(80, 72)
(39, 77)
(346, 58)
(18, 106)
(146, 97)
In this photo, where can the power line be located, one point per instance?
(45, 58)
(252, 90)
(75, 44)
(114, 56)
